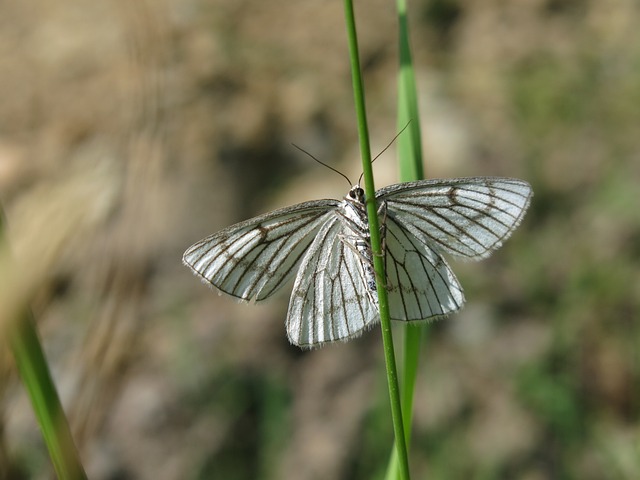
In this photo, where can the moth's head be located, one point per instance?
(356, 194)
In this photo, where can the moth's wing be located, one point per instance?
(419, 281)
(330, 301)
(467, 217)
(252, 259)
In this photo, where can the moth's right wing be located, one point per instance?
(254, 258)
(465, 217)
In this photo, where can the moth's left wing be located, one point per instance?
(252, 259)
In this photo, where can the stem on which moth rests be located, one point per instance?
(378, 260)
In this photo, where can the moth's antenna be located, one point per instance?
(386, 148)
(324, 164)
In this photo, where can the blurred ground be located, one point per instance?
(153, 124)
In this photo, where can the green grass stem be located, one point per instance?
(378, 261)
(36, 377)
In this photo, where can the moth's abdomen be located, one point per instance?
(354, 215)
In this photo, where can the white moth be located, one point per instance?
(327, 243)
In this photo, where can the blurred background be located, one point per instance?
(131, 129)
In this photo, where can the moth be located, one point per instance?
(326, 245)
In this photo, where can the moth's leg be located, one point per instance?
(349, 240)
(363, 258)
(382, 211)
(382, 215)
(367, 260)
